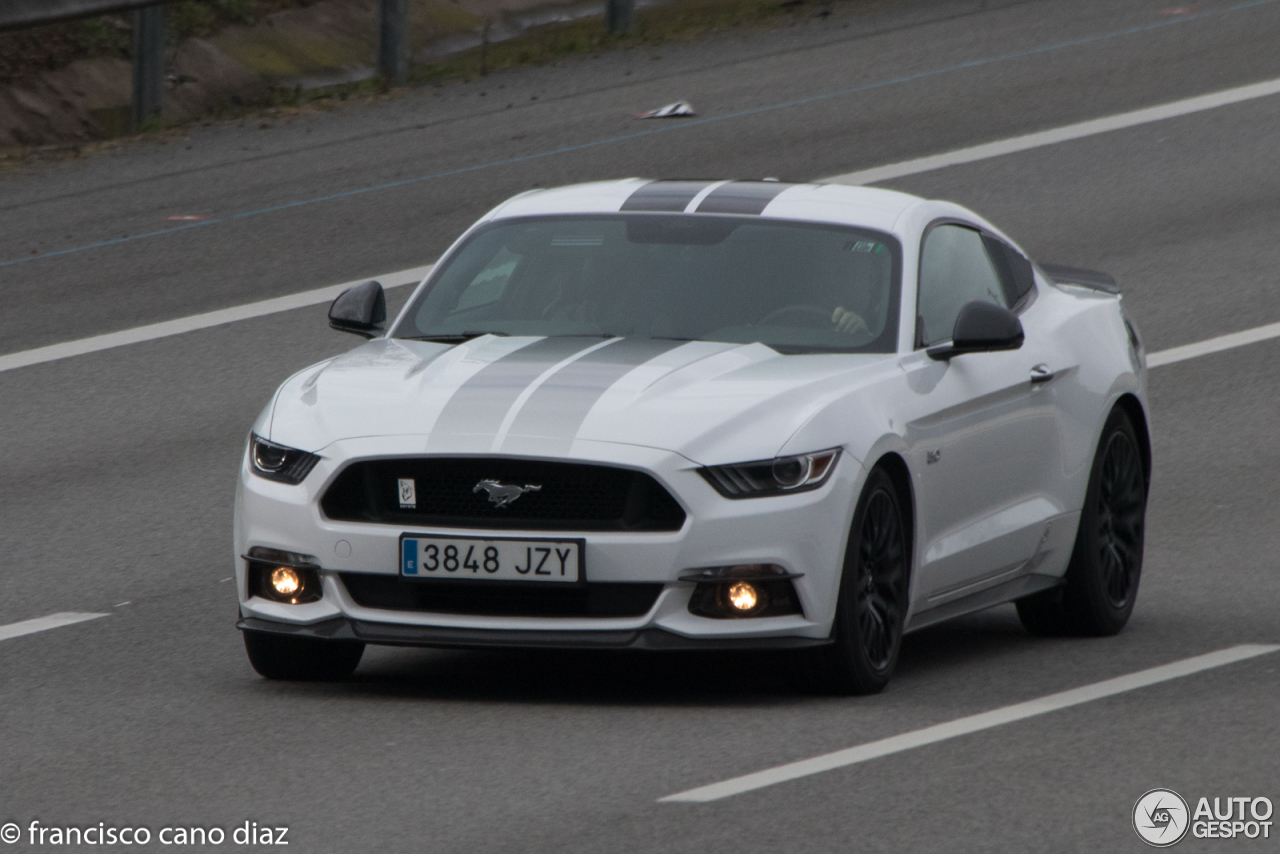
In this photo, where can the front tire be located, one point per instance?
(1106, 562)
(872, 603)
(301, 659)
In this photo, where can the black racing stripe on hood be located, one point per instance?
(560, 405)
(742, 197)
(664, 196)
(482, 402)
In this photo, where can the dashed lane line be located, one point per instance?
(971, 724)
(138, 334)
(1214, 345)
(1079, 130)
(43, 624)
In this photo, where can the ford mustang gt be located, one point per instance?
(736, 415)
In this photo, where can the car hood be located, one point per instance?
(710, 402)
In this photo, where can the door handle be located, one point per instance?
(1041, 374)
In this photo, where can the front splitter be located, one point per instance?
(396, 634)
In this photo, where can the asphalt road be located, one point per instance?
(117, 468)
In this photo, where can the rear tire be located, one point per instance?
(1106, 562)
(301, 659)
(872, 603)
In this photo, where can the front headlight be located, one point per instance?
(277, 462)
(778, 476)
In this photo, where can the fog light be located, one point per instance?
(285, 581)
(743, 596)
(768, 591)
(292, 579)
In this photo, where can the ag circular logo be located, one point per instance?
(1161, 818)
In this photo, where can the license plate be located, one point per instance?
(430, 556)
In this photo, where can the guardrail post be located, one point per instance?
(618, 15)
(393, 55)
(148, 65)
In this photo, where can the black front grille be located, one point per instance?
(501, 598)
(571, 496)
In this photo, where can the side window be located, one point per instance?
(490, 282)
(1015, 270)
(954, 269)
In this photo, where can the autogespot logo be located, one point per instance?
(1160, 817)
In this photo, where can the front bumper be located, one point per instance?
(804, 533)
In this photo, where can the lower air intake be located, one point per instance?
(501, 599)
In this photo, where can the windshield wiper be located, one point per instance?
(453, 339)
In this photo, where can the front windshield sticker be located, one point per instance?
(579, 240)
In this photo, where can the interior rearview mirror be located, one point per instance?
(361, 310)
(981, 327)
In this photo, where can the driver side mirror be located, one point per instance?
(981, 327)
(361, 310)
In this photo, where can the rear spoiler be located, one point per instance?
(1094, 279)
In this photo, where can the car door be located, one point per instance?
(983, 437)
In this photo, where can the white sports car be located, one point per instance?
(702, 415)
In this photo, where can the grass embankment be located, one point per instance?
(683, 20)
(680, 21)
(54, 46)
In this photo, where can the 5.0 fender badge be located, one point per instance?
(502, 494)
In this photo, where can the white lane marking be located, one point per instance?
(152, 331)
(42, 624)
(1053, 136)
(1214, 345)
(973, 723)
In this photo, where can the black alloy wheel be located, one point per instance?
(1101, 584)
(881, 567)
(1120, 511)
(872, 603)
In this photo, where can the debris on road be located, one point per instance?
(670, 111)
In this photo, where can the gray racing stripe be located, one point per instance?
(664, 196)
(742, 197)
(559, 406)
(482, 402)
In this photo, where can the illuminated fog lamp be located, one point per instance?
(285, 581)
(743, 597)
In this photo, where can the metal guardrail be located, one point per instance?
(15, 14)
(148, 37)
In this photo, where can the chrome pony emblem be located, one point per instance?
(501, 494)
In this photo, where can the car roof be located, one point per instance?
(867, 207)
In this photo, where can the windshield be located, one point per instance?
(796, 287)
